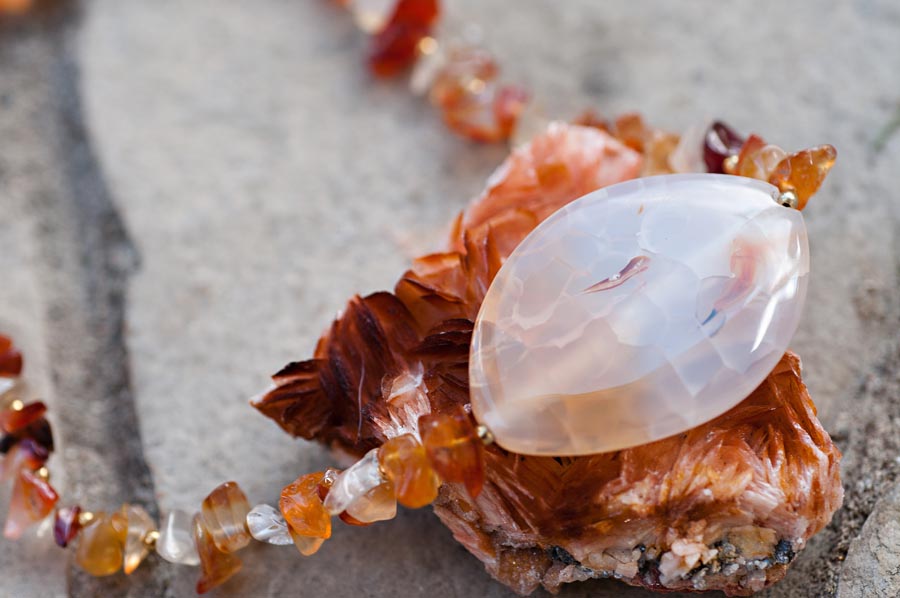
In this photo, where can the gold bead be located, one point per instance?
(789, 199)
(85, 518)
(17, 405)
(730, 163)
(485, 434)
(43, 473)
(150, 539)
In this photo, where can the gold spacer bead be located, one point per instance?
(17, 405)
(730, 164)
(85, 518)
(485, 434)
(150, 539)
(43, 473)
(788, 199)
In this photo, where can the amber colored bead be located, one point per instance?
(454, 449)
(404, 462)
(33, 498)
(10, 357)
(306, 545)
(590, 118)
(804, 172)
(101, 545)
(224, 512)
(302, 508)
(66, 525)
(216, 567)
(657, 149)
(720, 142)
(14, 420)
(467, 70)
(322, 490)
(757, 160)
(631, 130)
(395, 47)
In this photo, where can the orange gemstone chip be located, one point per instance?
(804, 172)
(33, 499)
(216, 567)
(405, 463)
(303, 509)
(454, 449)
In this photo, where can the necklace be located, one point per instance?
(362, 494)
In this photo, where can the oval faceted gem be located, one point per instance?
(101, 546)
(637, 312)
(224, 514)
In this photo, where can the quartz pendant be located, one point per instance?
(176, 541)
(267, 525)
(637, 312)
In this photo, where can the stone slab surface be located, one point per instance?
(192, 189)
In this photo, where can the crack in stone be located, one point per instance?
(84, 261)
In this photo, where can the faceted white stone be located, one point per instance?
(353, 483)
(266, 524)
(176, 540)
(637, 312)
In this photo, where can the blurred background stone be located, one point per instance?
(190, 190)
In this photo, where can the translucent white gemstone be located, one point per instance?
(353, 483)
(637, 312)
(267, 525)
(176, 540)
(371, 15)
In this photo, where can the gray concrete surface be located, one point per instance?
(190, 190)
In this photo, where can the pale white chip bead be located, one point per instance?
(371, 15)
(688, 154)
(267, 525)
(637, 312)
(353, 483)
(176, 540)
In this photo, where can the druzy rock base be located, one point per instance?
(725, 506)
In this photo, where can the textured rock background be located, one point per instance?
(190, 190)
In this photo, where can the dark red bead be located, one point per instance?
(721, 141)
(396, 47)
(66, 525)
(12, 420)
(10, 358)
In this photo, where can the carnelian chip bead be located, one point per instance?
(632, 131)
(139, 525)
(804, 172)
(14, 420)
(719, 143)
(395, 47)
(324, 487)
(26, 454)
(101, 545)
(657, 149)
(304, 512)
(216, 567)
(33, 498)
(66, 525)
(405, 463)
(454, 448)
(10, 357)
(757, 159)
(224, 513)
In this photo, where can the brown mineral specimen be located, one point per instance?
(725, 506)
